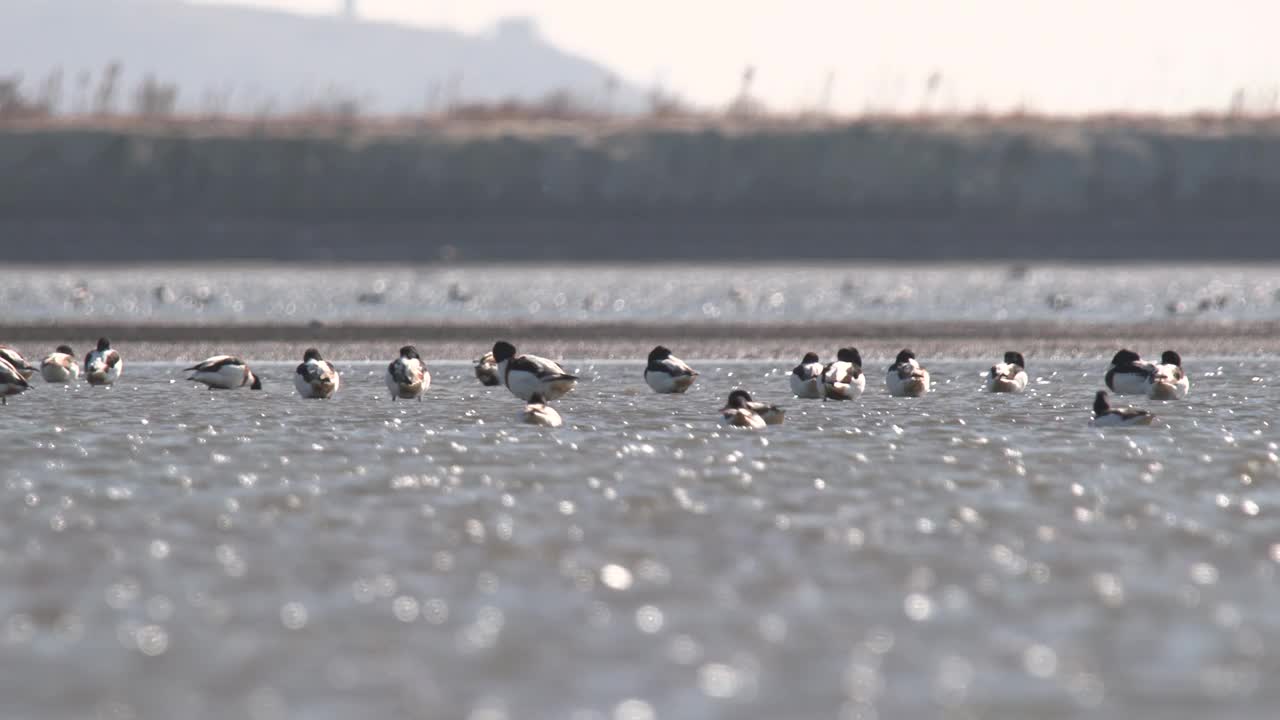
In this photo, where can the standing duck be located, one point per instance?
(102, 366)
(667, 373)
(1128, 374)
(525, 375)
(19, 363)
(407, 376)
(906, 378)
(1168, 381)
(1009, 376)
(60, 366)
(843, 379)
(806, 378)
(224, 372)
(316, 378)
(11, 381)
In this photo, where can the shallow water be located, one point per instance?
(167, 552)
(638, 293)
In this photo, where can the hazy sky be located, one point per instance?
(1050, 55)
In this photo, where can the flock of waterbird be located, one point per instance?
(539, 381)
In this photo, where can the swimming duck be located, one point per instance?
(19, 363)
(1009, 376)
(737, 412)
(843, 379)
(1105, 416)
(806, 378)
(487, 371)
(224, 372)
(771, 414)
(60, 366)
(407, 375)
(538, 412)
(906, 378)
(102, 366)
(1128, 374)
(316, 378)
(11, 381)
(667, 373)
(525, 375)
(1168, 381)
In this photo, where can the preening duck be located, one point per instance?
(407, 375)
(487, 371)
(906, 378)
(224, 372)
(1128, 374)
(60, 366)
(1009, 376)
(1168, 381)
(1106, 416)
(843, 379)
(316, 378)
(806, 378)
(538, 412)
(103, 365)
(667, 373)
(737, 412)
(19, 363)
(11, 381)
(525, 375)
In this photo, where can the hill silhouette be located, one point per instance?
(247, 60)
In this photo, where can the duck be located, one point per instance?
(19, 363)
(1168, 381)
(843, 379)
(806, 378)
(906, 378)
(103, 365)
(1009, 376)
(771, 414)
(667, 373)
(316, 378)
(487, 371)
(11, 381)
(224, 372)
(1106, 416)
(407, 376)
(737, 412)
(60, 366)
(525, 375)
(1128, 374)
(538, 412)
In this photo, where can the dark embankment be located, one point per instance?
(924, 190)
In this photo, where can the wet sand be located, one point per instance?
(629, 340)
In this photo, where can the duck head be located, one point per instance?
(659, 354)
(1125, 357)
(503, 351)
(851, 355)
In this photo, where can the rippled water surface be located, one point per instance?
(167, 552)
(585, 293)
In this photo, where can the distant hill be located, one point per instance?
(245, 60)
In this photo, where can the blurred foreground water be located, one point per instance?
(168, 552)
